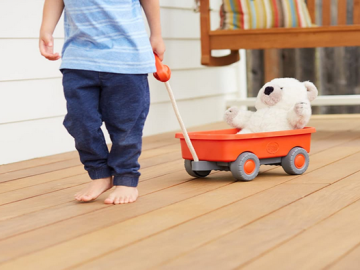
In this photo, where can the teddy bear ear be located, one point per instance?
(312, 91)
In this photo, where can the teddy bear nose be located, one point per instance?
(268, 90)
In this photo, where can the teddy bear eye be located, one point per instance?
(281, 88)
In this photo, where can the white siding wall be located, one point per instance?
(32, 106)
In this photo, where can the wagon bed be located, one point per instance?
(242, 154)
(225, 145)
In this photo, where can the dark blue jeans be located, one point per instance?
(121, 101)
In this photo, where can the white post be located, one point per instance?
(242, 81)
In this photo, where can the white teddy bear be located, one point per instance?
(282, 104)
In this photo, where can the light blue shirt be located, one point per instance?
(106, 36)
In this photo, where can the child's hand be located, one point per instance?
(46, 45)
(158, 46)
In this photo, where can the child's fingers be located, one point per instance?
(53, 57)
(50, 56)
(160, 54)
(47, 51)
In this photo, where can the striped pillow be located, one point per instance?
(255, 14)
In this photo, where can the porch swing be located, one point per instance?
(326, 35)
(340, 35)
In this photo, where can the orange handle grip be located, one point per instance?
(163, 72)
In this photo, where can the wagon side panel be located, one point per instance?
(229, 150)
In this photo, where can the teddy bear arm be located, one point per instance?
(242, 119)
(300, 115)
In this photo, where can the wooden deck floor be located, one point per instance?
(277, 221)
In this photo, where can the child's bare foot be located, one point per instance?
(122, 194)
(94, 189)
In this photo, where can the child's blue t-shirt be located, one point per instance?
(106, 36)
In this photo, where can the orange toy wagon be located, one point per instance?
(242, 154)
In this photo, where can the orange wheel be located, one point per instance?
(296, 161)
(245, 167)
(249, 166)
(299, 161)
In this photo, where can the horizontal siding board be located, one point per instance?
(22, 19)
(188, 28)
(34, 99)
(194, 113)
(214, 4)
(177, 4)
(23, 60)
(26, 140)
(194, 84)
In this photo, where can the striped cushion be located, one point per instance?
(253, 14)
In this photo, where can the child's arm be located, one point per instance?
(152, 12)
(51, 15)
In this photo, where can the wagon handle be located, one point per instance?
(163, 74)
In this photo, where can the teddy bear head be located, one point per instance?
(284, 93)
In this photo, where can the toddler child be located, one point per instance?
(105, 61)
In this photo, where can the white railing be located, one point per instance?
(319, 101)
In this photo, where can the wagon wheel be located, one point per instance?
(245, 167)
(296, 161)
(198, 174)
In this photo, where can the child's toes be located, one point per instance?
(110, 199)
(122, 200)
(86, 198)
(118, 200)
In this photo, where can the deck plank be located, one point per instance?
(231, 214)
(264, 234)
(349, 261)
(161, 140)
(48, 164)
(191, 234)
(80, 180)
(33, 180)
(64, 194)
(47, 200)
(36, 162)
(56, 166)
(202, 216)
(247, 210)
(40, 179)
(55, 179)
(323, 142)
(66, 210)
(318, 160)
(310, 248)
(107, 215)
(147, 155)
